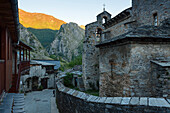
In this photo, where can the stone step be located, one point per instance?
(15, 103)
(19, 104)
(18, 107)
(19, 111)
(18, 96)
(19, 101)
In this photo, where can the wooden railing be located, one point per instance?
(23, 65)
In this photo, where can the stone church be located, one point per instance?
(129, 54)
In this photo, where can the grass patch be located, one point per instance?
(92, 92)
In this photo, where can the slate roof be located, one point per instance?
(149, 32)
(162, 63)
(54, 63)
(118, 18)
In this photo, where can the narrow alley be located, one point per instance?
(40, 102)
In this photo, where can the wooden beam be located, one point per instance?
(26, 54)
(4, 1)
(15, 63)
(5, 5)
(20, 53)
(5, 11)
(23, 53)
(6, 14)
(29, 55)
(11, 18)
(10, 23)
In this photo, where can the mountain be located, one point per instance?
(39, 20)
(30, 39)
(83, 27)
(68, 42)
(45, 36)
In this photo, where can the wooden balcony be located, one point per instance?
(23, 67)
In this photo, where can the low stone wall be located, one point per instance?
(160, 76)
(72, 101)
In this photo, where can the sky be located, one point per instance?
(81, 12)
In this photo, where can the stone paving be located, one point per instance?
(39, 101)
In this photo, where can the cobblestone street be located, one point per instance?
(40, 102)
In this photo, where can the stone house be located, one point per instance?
(40, 74)
(121, 52)
(77, 80)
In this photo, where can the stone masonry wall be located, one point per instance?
(143, 10)
(91, 57)
(125, 69)
(118, 29)
(72, 101)
(39, 73)
(160, 76)
(141, 55)
(114, 70)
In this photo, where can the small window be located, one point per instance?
(98, 34)
(155, 19)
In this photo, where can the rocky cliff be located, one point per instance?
(68, 42)
(30, 39)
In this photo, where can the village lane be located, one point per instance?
(40, 102)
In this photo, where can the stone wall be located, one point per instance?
(118, 29)
(114, 70)
(142, 14)
(125, 67)
(160, 75)
(91, 57)
(40, 74)
(141, 55)
(72, 101)
(93, 35)
(143, 10)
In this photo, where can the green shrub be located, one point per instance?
(40, 88)
(80, 75)
(76, 61)
(53, 57)
(61, 68)
(68, 80)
